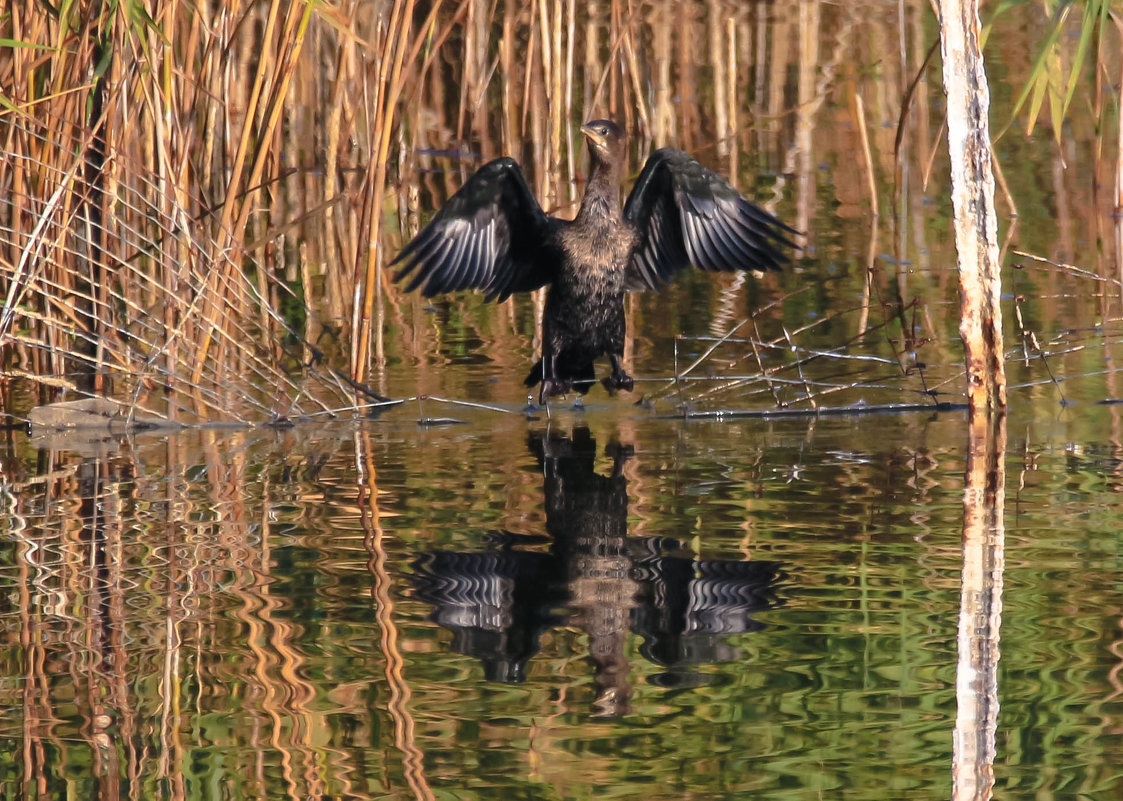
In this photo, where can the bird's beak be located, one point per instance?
(592, 135)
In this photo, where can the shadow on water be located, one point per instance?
(593, 576)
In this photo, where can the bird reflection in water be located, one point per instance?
(498, 602)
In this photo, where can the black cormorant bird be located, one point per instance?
(493, 235)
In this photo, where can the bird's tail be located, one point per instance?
(534, 377)
(580, 372)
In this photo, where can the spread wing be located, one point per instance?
(688, 215)
(490, 235)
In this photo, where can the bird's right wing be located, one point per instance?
(491, 235)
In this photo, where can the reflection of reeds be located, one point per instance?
(405, 736)
(171, 211)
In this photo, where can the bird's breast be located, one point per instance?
(596, 256)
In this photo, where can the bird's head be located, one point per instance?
(606, 140)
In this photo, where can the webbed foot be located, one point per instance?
(618, 380)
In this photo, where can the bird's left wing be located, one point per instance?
(491, 235)
(686, 215)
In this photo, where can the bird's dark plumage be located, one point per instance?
(492, 235)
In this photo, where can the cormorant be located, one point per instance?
(493, 235)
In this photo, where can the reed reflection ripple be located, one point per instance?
(633, 605)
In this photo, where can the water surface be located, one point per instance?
(610, 603)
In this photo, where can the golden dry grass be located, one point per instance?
(173, 187)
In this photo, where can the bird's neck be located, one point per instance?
(601, 204)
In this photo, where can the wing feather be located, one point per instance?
(434, 251)
(457, 264)
(737, 251)
(687, 215)
(468, 273)
(490, 235)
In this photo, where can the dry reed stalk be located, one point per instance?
(181, 125)
(638, 99)
(733, 121)
(231, 209)
(663, 127)
(567, 103)
(558, 113)
(368, 282)
(154, 229)
(859, 112)
(867, 284)
(547, 160)
(277, 80)
(508, 116)
(527, 82)
(1117, 227)
(721, 68)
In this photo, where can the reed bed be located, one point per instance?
(199, 203)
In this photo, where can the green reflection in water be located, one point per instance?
(237, 652)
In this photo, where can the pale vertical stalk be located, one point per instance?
(506, 63)
(557, 111)
(591, 66)
(528, 75)
(533, 113)
(980, 610)
(806, 109)
(468, 75)
(1117, 228)
(976, 226)
(332, 129)
(867, 285)
(211, 82)
(721, 83)
(776, 51)
(296, 29)
(687, 83)
(614, 34)
(571, 167)
(903, 167)
(160, 102)
(663, 129)
(549, 118)
(867, 155)
(242, 152)
(379, 324)
(731, 94)
(760, 69)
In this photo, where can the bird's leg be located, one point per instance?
(549, 383)
(619, 379)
